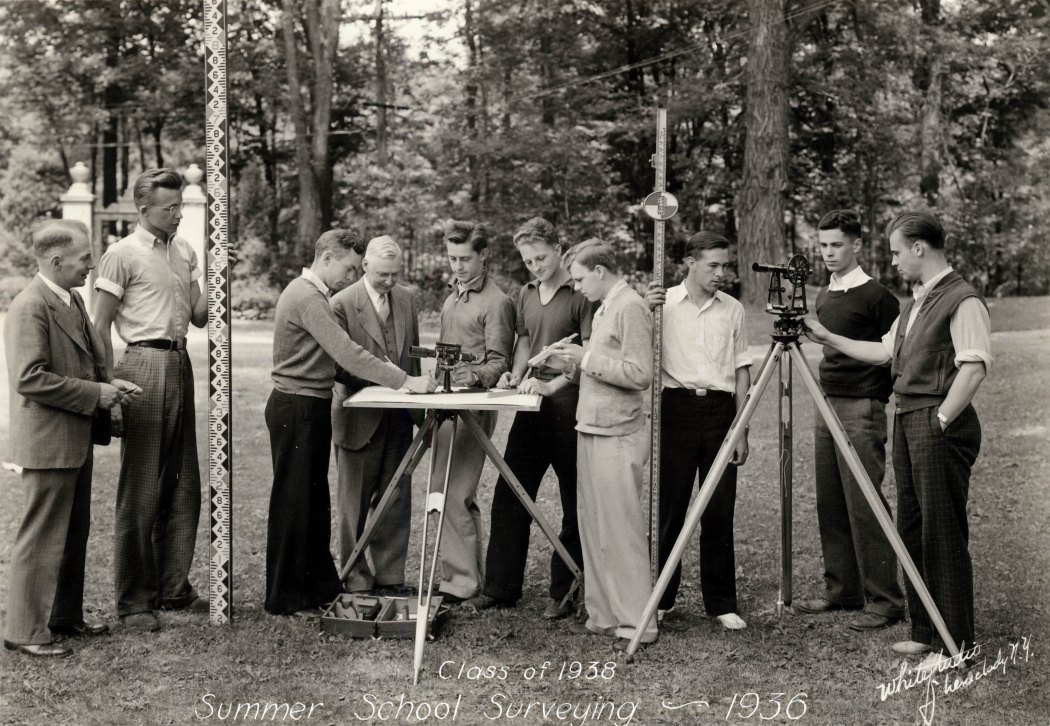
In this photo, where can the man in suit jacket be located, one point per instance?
(55, 364)
(380, 316)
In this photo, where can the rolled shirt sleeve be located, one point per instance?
(971, 331)
(740, 355)
(889, 337)
(112, 274)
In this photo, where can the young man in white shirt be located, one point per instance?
(706, 375)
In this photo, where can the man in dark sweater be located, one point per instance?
(940, 352)
(307, 344)
(860, 567)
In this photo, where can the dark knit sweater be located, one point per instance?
(865, 312)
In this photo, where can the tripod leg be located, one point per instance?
(408, 465)
(786, 475)
(435, 503)
(838, 433)
(523, 497)
(707, 490)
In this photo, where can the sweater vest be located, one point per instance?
(924, 358)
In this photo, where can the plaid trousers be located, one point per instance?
(933, 482)
(159, 493)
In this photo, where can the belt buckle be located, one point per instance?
(701, 391)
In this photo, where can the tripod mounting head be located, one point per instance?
(448, 355)
(788, 325)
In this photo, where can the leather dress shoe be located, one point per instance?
(620, 645)
(307, 614)
(140, 622)
(910, 647)
(820, 605)
(484, 602)
(872, 621)
(448, 598)
(80, 630)
(577, 628)
(555, 610)
(40, 650)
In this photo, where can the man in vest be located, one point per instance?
(380, 316)
(940, 352)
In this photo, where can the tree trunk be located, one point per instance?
(381, 156)
(930, 124)
(472, 103)
(321, 25)
(113, 97)
(760, 207)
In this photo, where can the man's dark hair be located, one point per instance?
(845, 220)
(54, 235)
(918, 226)
(339, 241)
(154, 179)
(476, 233)
(591, 253)
(536, 229)
(703, 241)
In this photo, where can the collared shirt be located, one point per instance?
(317, 281)
(703, 345)
(374, 295)
(63, 295)
(152, 279)
(970, 326)
(615, 290)
(854, 278)
(479, 316)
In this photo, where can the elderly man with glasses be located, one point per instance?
(149, 286)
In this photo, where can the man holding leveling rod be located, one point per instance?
(549, 311)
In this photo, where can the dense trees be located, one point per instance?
(346, 113)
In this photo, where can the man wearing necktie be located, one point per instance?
(939, 350)
(57, 384)
(379, 315)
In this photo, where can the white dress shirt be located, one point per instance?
(63, 295)
(703, 345)
(969, 327)
(854, 278)
(376, 298)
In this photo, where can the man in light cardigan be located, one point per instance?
(616, 368)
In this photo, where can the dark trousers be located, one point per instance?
(860, 567)
(933, 483)
(300, 572)
(693, 431)
(537, 440)
(159, 494)
(46, 585)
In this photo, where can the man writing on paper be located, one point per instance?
(307, 345)
(380, 316)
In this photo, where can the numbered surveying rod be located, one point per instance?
(661, 206)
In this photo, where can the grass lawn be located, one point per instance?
(162, 678)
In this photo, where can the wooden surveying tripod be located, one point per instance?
(786, 331)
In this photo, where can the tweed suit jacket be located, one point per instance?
(52, 375)
(353, 427)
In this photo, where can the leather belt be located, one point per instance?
(698, 392)
(161, 344)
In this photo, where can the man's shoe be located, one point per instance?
(872, 621)
(732, 621)
(910, 647)
(820, 605)
(79, 630)
(620, 645)
(450, 599)
(140, 623)
(199, 605)
(578, 628)
(484, 602)
(395, 590)
(307, 614)
(556, 611)
(661, 614)
(40, 650)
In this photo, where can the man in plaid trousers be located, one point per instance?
(940, 352)
(149, 286)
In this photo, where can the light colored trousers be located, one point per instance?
(613, 532)
(462, 554)
(46, 586)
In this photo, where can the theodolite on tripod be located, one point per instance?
(448, 356)
(784, 351)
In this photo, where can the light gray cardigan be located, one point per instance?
(618, 366)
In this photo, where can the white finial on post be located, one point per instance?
(78, 203)
(193, 225)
